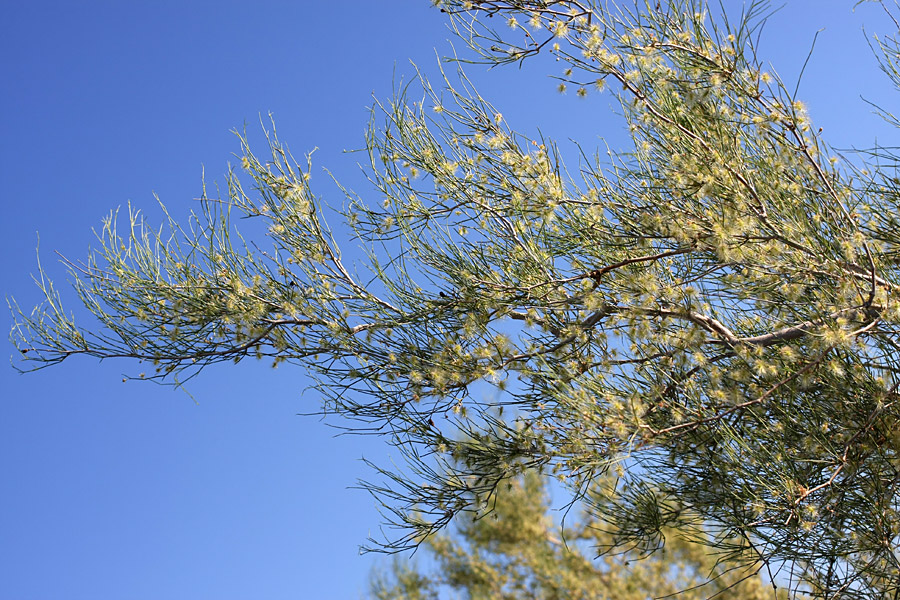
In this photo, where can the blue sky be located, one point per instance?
(133, 491)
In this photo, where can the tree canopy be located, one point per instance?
(708, 317)
(521, 551)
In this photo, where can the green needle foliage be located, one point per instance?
(709, 318)
(518, 552)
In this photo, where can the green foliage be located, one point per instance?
(710, 316)
(517, 551)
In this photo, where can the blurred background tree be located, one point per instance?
(520, 551)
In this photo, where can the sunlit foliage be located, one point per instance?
(520, 551)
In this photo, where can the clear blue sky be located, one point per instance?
(133, 491)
